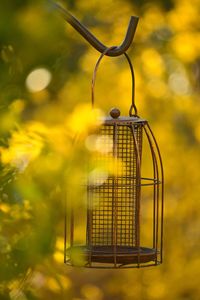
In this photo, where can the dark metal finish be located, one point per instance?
(115, 113)
(124, 206)
(115, 202)
(133, 105)
(99, 46)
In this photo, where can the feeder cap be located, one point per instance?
(115, 113)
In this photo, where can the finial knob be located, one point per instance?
(115, 113)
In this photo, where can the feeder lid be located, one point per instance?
(115, 118)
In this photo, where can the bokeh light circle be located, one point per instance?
(38, 80)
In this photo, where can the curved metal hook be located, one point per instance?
(116, 51)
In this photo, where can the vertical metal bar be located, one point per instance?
(89, 226)
(154, 186)
(156, 195)
(162, 192)
(138, 191)
(114, 196)
(154, 200)
(71, 239)
(122, 148)
(65, 227)
(72, 227)
(87, 213)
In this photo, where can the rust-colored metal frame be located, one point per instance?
(136, 256)
(154, 255)
(89, 37)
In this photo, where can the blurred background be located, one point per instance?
(45, 79)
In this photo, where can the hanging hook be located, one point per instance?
(114, 51)
(133, 105)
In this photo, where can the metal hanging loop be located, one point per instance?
(133, 108)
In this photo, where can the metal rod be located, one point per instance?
(156, 193)
(72, 227)
(138, 192)
(88, 36)
(65, 228)
(162, 192)
(155, 167)
(133, 105)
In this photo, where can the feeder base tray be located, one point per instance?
(108, 254)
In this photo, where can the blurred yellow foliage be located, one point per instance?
(48, 136)
(91, 292)
(25, 146)
(152, 63)
(187, 45)
(83, 119)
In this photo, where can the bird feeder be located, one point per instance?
(122, 216)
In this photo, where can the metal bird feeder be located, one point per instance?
(124, 208)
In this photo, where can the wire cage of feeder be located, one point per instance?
(123, 211)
